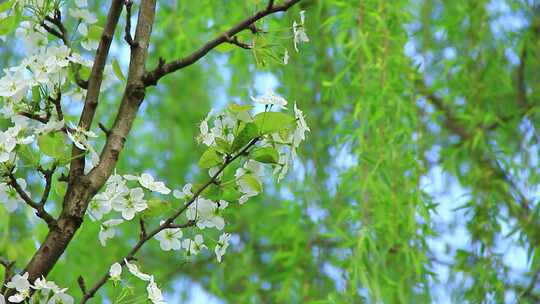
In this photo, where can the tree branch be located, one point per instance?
(94, 83)
(79, 190)
(127, 35)
(152, 77)
(169, 223)
(39, 207)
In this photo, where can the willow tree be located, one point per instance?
(417, 182)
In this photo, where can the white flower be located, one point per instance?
(2, 299)
(147, 181)
(51, 126)
(286, 57)
(7, 145)
(299, 31)
(78, 137)
(61, 298)
(206, 213)
(301, 127)
(169, 239)
(206, 136)
(34, 36)
(186, 192)
(114, 194)
(14, 85)
(43, 284)
(248, 179)
(89, 45)
(132, 204)
(154, 293)
(222, 245)
(108, 231)
(19, 282)
(19, 297)
(9, 196)
(272, 99)
(194, 246)
(21, 285)
(83, 14)
(136, 272)
(115, 271)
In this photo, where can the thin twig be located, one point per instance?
(152, 77)
(169, 223)
(234, 40)
(127, 35)
(39, 207)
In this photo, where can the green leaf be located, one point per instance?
(210, 158)
(6, 5)
(53, 145)
(94, 32)
(222, 145)
(252, 182)
(267, 155)
(236, 108)
(117, 70)
(9, 24)
(271, 122)
(249, 132)
(36, 97)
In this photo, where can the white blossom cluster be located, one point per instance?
(26, 89)
(46, 292)
(154, 293)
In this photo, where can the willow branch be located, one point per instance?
(152, 77)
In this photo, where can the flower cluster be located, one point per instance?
(154, 293)
(45, 291)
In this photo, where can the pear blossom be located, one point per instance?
(194, 246)
(21, 285)
(9, 196)
(301, 127)
(14, 84)
(51, 126)
(134, 203)
(147, 181)
(271, 99)
(169, 239)
(19, 282)
(299, 31)
(115, 271)
(206, 213)
(206, 136)
(33, 35)
(43, 284)
(61, 298)
(108, 231)
(154, 293)
(186, 192)
(78, 137)
(2, 299)
(136, 272)
(222, 246)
